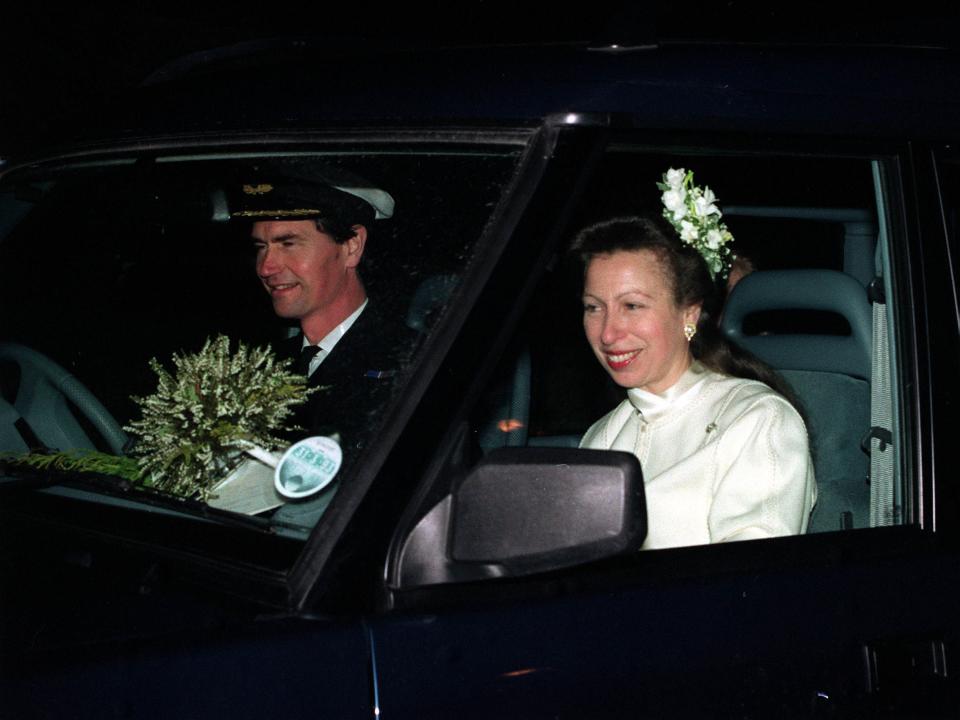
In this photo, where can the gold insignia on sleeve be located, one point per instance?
(261, 189)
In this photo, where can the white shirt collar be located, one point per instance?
(330, 340)
(652, 405)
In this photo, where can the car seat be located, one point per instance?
(829, 373)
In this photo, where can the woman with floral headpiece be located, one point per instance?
(724, 451)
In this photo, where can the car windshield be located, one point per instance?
(153, 313)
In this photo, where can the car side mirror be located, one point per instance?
(526, 510)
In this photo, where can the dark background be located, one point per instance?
(56, 59)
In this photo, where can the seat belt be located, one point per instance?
(885, 501)
(883, 506)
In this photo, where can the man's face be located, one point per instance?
(305, 272)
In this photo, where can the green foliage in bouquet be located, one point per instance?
(87, 461)
(201, 416)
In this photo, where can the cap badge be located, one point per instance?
(261, 189)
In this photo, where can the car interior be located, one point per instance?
(813, 309)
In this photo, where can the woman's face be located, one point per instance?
(632, 323)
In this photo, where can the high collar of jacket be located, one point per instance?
(653, 405)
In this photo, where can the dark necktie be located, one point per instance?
(302, 364)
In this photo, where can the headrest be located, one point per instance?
(820, 290)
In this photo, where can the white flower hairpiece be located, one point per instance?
(692, 210)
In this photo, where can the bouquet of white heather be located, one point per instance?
(214, 405)
(692, 210)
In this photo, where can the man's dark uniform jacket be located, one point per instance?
(355, 379)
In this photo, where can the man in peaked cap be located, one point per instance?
(309, 238)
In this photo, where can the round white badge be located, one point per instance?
(307, 467)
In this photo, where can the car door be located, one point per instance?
(121, 600)
(858, 619)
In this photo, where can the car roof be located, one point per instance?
(294, 84)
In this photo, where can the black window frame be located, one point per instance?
(288, 569)
(912, 242)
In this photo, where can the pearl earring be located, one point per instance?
(689, 330)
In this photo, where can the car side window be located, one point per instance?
(815, 306)
(811, 228)
(159, 258)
